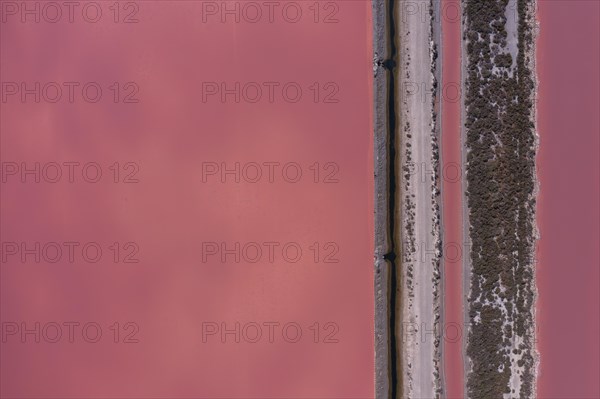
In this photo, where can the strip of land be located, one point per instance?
(417, 174)
(500, 144)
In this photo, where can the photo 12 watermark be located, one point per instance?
(71, 252)
(269, 332)
(228, 252)
(70, 12)
(72, 332)
(253, 92)
(269, 12)
(270, 172)
(70, 172)
(69, 92)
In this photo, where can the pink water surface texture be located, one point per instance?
(186, 200)
(568, 260)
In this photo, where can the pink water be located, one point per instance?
(174, 298)
(452, 212)
(568, 65)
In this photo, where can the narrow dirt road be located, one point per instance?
(420, 236)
